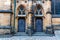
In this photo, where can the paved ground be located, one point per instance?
(56, 37)
(30, 38)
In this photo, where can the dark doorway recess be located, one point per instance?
(21, 24)
(39, 24)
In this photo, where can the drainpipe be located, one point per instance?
(11, 13)
(14, 15)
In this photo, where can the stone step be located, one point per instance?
(57, 34)
(20, 34)
(35, 34)
(42, 34)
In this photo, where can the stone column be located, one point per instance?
(49, 18)
(29, 20)
(49, 28)
(30, 26)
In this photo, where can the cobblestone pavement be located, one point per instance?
(56, 37)
(30, 38)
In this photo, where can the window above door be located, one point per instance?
(38, 10)
(22, 10)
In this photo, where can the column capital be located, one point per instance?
(48, 0)
(48, 12)
(30, 13)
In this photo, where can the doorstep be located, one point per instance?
(35, 34)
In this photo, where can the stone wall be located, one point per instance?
(55, 21)
(4, 19)
(46, 8)
(5, 4)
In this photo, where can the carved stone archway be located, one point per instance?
(40, 6)
(17, 11)
(16, 19)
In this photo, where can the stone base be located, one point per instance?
(49, 30)
(4, 31)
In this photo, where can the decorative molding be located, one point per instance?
(48, 12)
(5, 27)
(55, 16)
(5, 11)
(56, 24)
(30, 13)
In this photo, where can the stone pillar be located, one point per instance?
(30, 22)
(49, 28)
(49, 18)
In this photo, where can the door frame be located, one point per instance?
(35, 23)
(25, 22)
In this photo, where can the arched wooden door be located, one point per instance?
(39, 24)
(21, 25)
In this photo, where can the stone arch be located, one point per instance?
(17, 11)
(40, 7)
(18, 7)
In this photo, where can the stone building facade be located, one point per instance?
(28, 16)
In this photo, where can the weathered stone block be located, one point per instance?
(5, 4)
(4, 19)
(4, 31)
(50, 30)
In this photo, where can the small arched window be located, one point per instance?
(22, 10)
(38, 10)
